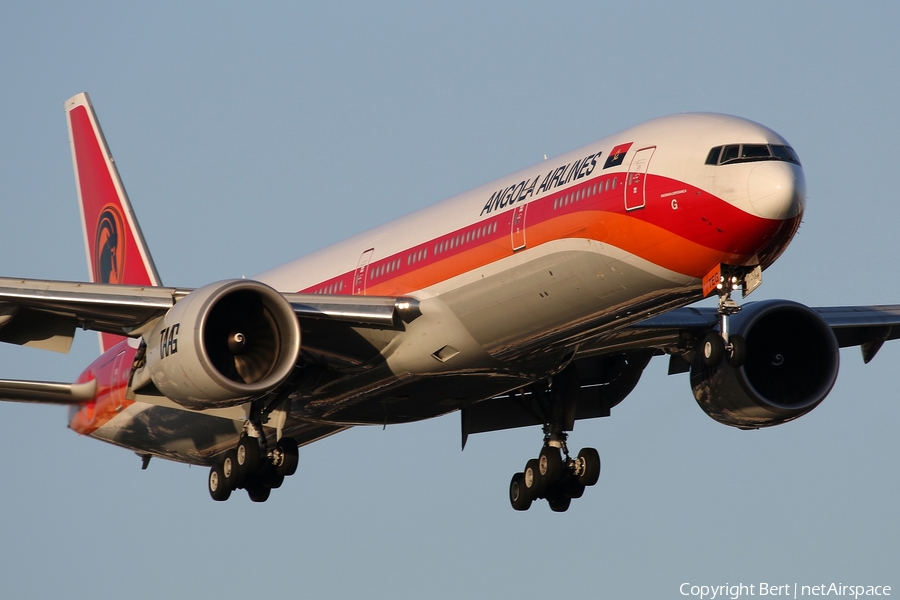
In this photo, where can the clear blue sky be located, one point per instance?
(247, 136)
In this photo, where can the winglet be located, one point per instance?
(115, 247)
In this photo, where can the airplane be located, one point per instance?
(534, 300)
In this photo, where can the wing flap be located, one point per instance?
(38, 329)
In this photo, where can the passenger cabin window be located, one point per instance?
(735, 153)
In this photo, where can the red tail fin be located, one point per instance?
(116, 250)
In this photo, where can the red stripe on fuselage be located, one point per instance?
(687, 236)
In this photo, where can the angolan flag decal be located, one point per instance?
(617, 155)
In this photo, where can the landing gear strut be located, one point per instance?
(724, 280)
(554, 475)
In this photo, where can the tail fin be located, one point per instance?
(116, 250)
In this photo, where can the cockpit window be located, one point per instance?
(755, 151)
(735, 153)
(785, 153)
(781, 153)
(731, 153)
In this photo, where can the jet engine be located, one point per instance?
(223, 344)
(790, 366)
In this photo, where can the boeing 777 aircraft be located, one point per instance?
(536, 299)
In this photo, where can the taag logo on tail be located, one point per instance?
(116, 250)
(109, 246)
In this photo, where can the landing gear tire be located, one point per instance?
(591, 466)
(230, 469)
(518, 496)
(289, 457)
(259, 493)
(738, 350)
(247, 456)
(575, 489)
(532, 479)
(713, 349)
(271, 478)
(218, 489)
(559, 503)
(550, 466)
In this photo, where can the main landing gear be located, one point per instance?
(253, 467)
(554, 475)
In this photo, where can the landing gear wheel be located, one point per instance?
(591, 464)
(230, 469)
(559, 503)
(518, 497)
(550, 466)
(259, 494)
(247, 455)
(574, 489)
(271, 478)
(532, 479)
(738, 350)
(290, 457)
(713, 349)
(218, 489)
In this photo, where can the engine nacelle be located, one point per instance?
(222, 344)
(791, 365)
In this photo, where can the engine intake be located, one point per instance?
(791, 365)
(223, 344)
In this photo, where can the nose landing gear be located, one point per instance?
(723, 280)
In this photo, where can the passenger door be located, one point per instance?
(517, 233)
(362, 270)
(636, 180)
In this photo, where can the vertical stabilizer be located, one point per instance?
(116, 250)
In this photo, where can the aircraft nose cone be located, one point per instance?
(777, 190)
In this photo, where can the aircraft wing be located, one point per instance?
(865, 326)
(45, 313)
